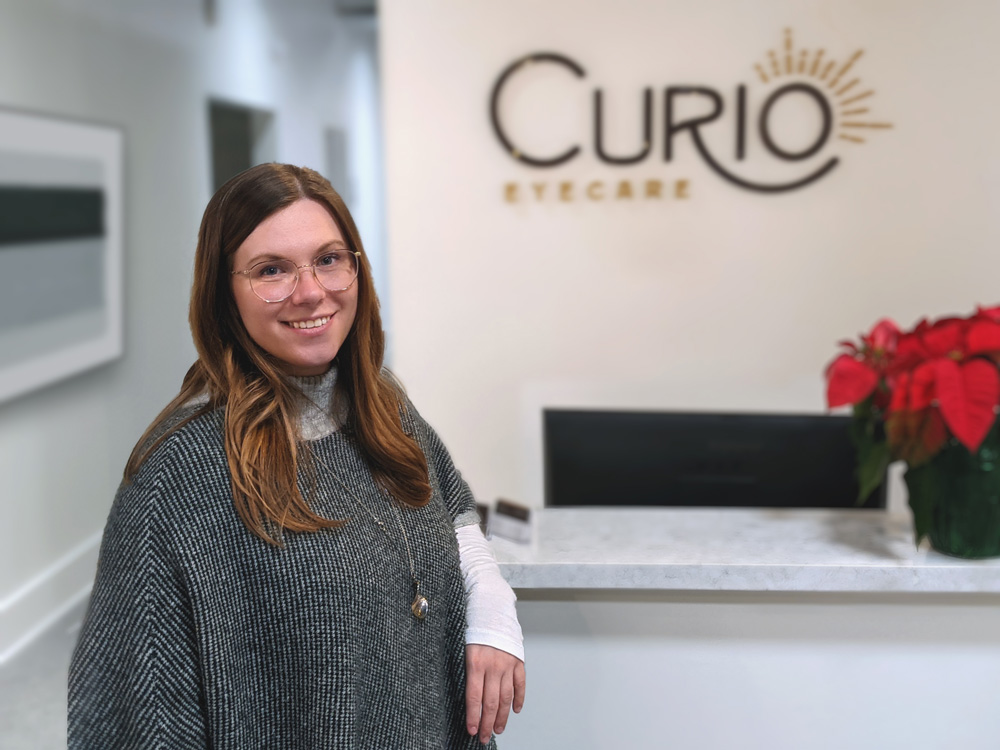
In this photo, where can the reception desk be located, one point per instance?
(723, 628)
(729, 550)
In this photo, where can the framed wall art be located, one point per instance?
(60, 248)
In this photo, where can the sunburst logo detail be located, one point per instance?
(848, 98)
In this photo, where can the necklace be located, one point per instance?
(420, 606)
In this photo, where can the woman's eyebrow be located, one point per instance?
(262, 257)
(332, 244)
(340, 244)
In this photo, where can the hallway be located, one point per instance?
(33, 689)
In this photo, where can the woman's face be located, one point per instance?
(300, 233)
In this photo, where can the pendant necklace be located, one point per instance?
(420, 606)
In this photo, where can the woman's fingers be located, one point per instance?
(495, 683)
(506, 690)
(473, 691)
(491, 705)
(519, 685)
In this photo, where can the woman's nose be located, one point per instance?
(308, 290)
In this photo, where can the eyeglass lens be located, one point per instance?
(275, 280)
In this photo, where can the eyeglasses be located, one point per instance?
(275, 280)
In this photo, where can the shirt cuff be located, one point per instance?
(491, 614)
(466, 518)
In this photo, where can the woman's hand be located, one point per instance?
(494, 681)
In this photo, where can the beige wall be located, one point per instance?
(728, 299)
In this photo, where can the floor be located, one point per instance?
(33, 689)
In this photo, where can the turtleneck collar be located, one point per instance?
(319, 415)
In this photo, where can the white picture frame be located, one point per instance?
(61, 226)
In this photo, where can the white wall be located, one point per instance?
(757, 671)
(149, 68)
(728, 299)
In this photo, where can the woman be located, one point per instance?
(292, 560)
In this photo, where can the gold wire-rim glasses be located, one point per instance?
(295, 284)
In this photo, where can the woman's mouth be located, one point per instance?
(304, 324)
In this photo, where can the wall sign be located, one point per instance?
(749, 114)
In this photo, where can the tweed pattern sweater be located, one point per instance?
(201, 635)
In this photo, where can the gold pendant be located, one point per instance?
(419, 607)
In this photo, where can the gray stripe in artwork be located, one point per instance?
(31, 214)
(20, 168)
(46, 280)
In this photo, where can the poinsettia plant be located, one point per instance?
(915, 391)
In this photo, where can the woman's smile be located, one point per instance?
(310, 324)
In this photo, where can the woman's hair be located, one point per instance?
(260, 406)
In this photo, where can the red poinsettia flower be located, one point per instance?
(967, 393)
(852, 377)
(882, 339)
(983, 334)
(989, 313)
(963, 385)
(938, 379)
(848, 381)
(928, 341)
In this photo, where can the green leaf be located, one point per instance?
(868, 434)
(873, 460)
(921, 499)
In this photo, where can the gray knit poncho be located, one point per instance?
(201, 635)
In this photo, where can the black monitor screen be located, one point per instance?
(620, 458)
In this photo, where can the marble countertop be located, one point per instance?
(726, 549)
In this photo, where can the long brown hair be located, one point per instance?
(261, 425)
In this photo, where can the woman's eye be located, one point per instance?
(268, 271)
(330, 259)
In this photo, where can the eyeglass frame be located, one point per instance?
(310, 266)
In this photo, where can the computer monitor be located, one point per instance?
(634, 458)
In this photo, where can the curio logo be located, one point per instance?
(723, 128)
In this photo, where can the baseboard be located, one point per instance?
(46, 597)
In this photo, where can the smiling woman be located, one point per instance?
(295, 316)
(292, 559)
